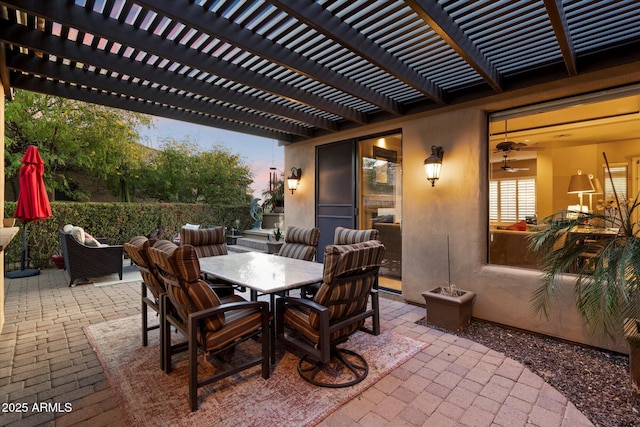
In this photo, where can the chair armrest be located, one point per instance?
(102, 240)
(300, 302)
(261, 306)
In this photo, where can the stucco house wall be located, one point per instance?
(457, 207)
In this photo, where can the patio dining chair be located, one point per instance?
(208, 324)
(138, 250)
(208, 242)
(344, 236)
(339, 309)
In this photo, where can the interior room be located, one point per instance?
(534, 153)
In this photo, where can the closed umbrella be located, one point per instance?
(33, 202)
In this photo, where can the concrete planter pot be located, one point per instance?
(452, 313)
(274, 247)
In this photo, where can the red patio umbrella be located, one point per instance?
(33, 202)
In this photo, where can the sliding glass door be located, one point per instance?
(380, 200)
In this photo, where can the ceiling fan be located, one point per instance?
(507, 146)
(505, 164)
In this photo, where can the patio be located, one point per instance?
(46, 358)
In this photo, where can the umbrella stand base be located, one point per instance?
(21, 273)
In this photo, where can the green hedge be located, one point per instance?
(118, 222)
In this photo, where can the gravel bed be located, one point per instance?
(596, 381)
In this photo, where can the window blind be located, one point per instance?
(511, 200)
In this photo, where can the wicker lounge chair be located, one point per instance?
(82, 261)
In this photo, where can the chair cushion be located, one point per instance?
(297, 251)
(237, 324)
(305, 236)
(195, 294)
(138, 250)
(77, 233)
(206, 241)
(203, 297)
(341, 259)
(348, 236)
(301, 321)
(186, 263)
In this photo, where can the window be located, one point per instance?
(619, 175)
(533, 152)
(511, 200)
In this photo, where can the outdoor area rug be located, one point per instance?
(146, 395)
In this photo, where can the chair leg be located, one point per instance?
(375, 304)
(348, 363)
(145, 340)
(268, 346)
(166, 338)
(163, 328)
(193, 366)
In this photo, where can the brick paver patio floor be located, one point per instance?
(45, 358)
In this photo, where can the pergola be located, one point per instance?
(296, 69)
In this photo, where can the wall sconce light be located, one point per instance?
(294, 179)
(433, 164)
(580, 184)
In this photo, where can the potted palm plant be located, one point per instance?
(448, 307)
(603, 251)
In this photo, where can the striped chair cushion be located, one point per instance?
(305, 236)
(300, 243)
(138, 250)
(348, 236)
(297, 251)
(206, 241)
(201, 295)
(341, 259)
(237, 323)
(346, 297)
(189, 294)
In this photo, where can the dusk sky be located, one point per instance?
(259, 153)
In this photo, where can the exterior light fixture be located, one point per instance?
(294, 179)
(433, 164)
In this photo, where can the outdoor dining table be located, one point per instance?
(263, 274)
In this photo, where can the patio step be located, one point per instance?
(244, 244)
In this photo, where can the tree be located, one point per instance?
(75, 139)
(179, 172)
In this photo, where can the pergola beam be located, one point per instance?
(4, 73)
(70, 15)
(332, 27)
(32, 39)
(59, 71)
(561, 29)
(223, 29)
(437, 18)
(50, 87)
